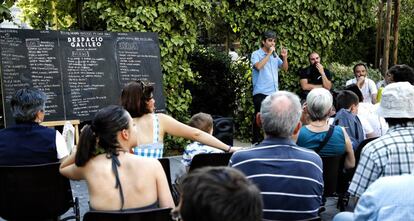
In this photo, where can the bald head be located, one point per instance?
(280, 113)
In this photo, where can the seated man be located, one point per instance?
(27, 142)
(392, 153)
(388, 198)
(218, 194)
(366, 85)
(288, 176)
(314, 76)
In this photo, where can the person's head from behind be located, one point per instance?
(400, 73)
(314, 58)
(354, 88)
(280, 114)
(202, 121)
(111, 130)
(360, 70)
(268, 39)
(347, 100)
(319, 104)
(219, 194)
(137, 98)
(397, 104)
(28, 105)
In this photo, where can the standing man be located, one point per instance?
(266, 64)
(289, 177)
(366, 85)
(314, 76)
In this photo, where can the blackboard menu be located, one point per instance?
(80, 71)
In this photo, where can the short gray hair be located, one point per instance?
(319, 102)
(25, 103)
(280, 112)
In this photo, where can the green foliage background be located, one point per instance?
(340, 30)
(406, 38)
(176, 23)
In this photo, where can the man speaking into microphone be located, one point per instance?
(266, 64)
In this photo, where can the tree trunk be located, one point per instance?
(379, 34)
(79, 5)
(387, 38)
(396, 28)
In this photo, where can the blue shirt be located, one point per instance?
(265, 80)
(311, 140)
(388, 198)
(289, 178)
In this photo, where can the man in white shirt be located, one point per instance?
(366, 85)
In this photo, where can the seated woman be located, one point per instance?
(117, 180)
(318, 106)
(138, 100)
(27, 142)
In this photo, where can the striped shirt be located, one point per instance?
(289, 178)
(391, 154)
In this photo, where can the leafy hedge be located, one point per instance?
(213, 90)
(176, 23)
(406, 40)
(330, 27)
(302, 25)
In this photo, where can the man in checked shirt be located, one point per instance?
(392, 153)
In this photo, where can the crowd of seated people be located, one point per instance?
(120, 180)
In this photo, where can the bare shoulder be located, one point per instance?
(144, 161)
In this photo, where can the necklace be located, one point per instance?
(319, 125)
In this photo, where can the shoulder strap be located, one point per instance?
(327, 137)
(155, 128)
(115, 164)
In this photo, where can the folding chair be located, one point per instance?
(165, 163)
(162, 214)
(331, 167)
(345, 178)
(210, 159)
(35, 192)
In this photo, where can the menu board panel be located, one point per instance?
(80, 71)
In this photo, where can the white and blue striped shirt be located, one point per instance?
(289, 177)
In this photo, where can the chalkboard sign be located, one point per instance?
(80, 71)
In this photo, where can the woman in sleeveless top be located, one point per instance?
(318, 107)
(137, 99)
(103, 160)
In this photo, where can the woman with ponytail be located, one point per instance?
(103, 160)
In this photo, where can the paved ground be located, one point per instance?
(80, 189)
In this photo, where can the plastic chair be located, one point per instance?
(35, 192)
(165, 163)
(162, 214)
(210, 159)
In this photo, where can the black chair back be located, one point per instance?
(35, 192)
(360, 147)
(331, 169)
(165, 163)
(162, 214)
(210, 159)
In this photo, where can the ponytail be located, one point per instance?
(86, 146)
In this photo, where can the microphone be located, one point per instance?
(274, 54)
